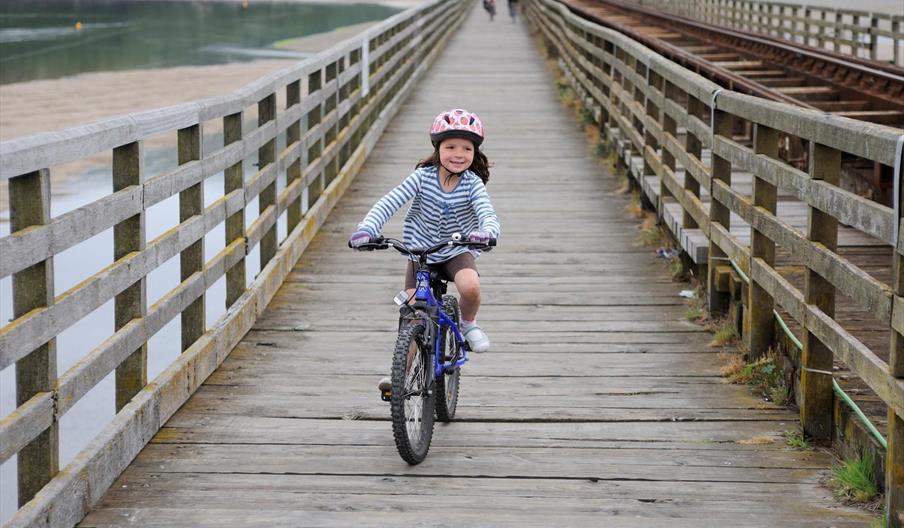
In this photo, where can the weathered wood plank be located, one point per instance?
(561, 422)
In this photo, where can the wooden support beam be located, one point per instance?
(191, 260)
(29, 205)
(233, 180)
(719, 214)
(694, 148)
(266, 112)
(293, 172)
(760, 322)
(129, 236)
(816, 359)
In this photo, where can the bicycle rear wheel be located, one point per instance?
(413, 396)
(447, 384)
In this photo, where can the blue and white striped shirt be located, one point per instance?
(435, 214)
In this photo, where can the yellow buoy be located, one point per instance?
(78, 26)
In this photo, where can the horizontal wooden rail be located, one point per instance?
(848, 31)
(676, 130)
(337, 105)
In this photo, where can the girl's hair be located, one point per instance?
(480, 166)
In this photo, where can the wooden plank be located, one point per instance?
(27, 422)
(130, 236)
(36, 367)
(191, 259)
(560, 422)
(816, 357)
(66, 497)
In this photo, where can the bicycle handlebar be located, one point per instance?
(385, 243)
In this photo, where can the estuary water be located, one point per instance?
(45, 39)
(39, 40)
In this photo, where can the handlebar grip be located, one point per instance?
(492, 242)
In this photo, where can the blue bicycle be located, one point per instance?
(429, 353)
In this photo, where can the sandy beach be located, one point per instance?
(39, 106)
(34, 107)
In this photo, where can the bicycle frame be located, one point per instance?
(426, 302)
(424, 295)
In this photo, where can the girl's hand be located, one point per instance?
(480, 237)
(358, 239)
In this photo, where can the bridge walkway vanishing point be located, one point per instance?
(598, 405)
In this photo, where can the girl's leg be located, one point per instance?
(467, 282)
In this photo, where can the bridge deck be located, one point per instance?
(599, 405)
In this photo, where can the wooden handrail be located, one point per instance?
(641, 100)
(331, 122)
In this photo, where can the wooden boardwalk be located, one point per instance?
(598, 406)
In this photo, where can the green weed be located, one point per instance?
(725, 335)
(797, 440)
(601, 151)
(853, 479)
(694, 313)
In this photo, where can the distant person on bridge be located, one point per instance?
(490, 6)
(449, 194)
(513, 9)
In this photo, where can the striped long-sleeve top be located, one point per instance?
(435, 214)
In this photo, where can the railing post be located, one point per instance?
(694, 147)
(293, 172)
(234, 179)
(894, 455)
(29, 204)
(718, 214)
(807, 26)
(191, 260)
(129, 236)
(896, 42)
(649, 139)
(668, 124)
(816, 359)
(315, 145)
(761, 326)
(266, 154)
(821, 32)
(873, 37)
(839, 33)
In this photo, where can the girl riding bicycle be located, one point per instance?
(449, 196)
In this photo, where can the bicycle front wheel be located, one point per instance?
(447, 384)
(412, 402)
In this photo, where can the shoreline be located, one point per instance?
(48, 105)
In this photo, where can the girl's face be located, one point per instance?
(456, 154)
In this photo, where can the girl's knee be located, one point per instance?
(468, 284)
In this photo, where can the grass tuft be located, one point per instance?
(678, 273)
(726, 334)
(853, 479)
(797, 440)
(649, 230)
(694, 313)
(635, 208)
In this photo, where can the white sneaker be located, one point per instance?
(477, 340)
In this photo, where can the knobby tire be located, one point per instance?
(448, 384)
(412, 415)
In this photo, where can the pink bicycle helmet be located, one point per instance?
(456, 123)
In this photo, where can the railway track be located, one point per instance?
(775, 69)
(760, 65)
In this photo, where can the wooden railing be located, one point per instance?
(645, 103)
(851, 32)
(336, 106)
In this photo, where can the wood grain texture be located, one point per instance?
(598, 404)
